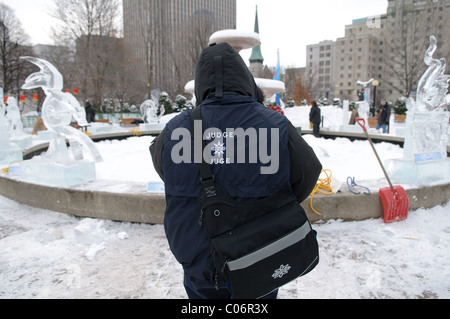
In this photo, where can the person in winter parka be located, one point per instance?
(384, 116)
(229, 98)
(90, 112)
(315, 117)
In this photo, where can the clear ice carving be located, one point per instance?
(14, 118)
(427, 118)
(4, 127)
(57, 112)
(150, 111)
(9, 152)
(433, 86)
(363, 110)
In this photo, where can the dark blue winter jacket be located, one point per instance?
(236, 108)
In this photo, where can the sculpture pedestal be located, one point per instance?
(41, 171)
(157, 188)
(100, 128)
(24, 141)
(413, 173)
(351, 129)
(426, 133)
(10, 152)
(149, 127)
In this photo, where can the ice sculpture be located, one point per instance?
(57, 112)
(59, 167)
(433, 86)
(18, 136)
(427, 118)
(14, 118)
(9, 152)
(363, 110)
(425, 151)
(150, 111)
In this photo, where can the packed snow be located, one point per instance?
(45, 254)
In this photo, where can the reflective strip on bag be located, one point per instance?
(271, 249)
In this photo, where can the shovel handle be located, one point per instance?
(362, 123)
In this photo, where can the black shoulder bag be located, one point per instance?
(256, 246)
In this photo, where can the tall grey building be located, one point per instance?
(164, 38)
(360, 56)
(320, 61)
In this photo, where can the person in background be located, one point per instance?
(384, 115)
(90, 112)
(315, 118)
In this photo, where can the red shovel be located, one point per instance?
(394, 199)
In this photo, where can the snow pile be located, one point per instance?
(333, 117)
(44, 254)
(50, 255)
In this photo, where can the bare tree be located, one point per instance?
(300, 93)
(149, 30)
(312, 82)
(89, 27)
(186, 51)
(13, 45)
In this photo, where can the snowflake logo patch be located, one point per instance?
(281, 272)
(219, 149)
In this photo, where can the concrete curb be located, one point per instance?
(149, 208)
(137, 206)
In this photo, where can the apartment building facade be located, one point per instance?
(389, 48)
(359, 56)
(320, 71)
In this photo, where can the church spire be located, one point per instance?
(256, 52)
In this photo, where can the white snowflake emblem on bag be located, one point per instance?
(219, 149)
(280, 272)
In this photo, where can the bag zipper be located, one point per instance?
(201, 217)
(217, 275)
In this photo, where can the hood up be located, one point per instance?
(221, 69)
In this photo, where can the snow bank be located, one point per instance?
(50, 255)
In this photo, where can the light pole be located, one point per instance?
(375, 84)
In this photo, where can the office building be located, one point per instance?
(164, 38)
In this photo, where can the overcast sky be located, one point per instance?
(288, 25)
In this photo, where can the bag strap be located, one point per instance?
(206, 174)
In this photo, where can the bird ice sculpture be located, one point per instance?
(433, 86)
(364, 84)
(57, 112)
(150, 109)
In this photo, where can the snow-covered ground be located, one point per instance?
(44, 254)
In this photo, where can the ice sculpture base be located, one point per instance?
(24, 141)
(57, 174)
(413, 173)
(10, 153)
(44, 135)
(151, 127)
(157, 188)
(96, 129)
(351, 129)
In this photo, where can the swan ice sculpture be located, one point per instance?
(433, 86)
(427, 117)
(57, 112)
